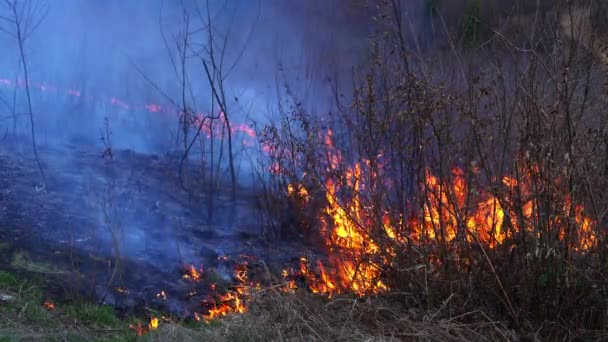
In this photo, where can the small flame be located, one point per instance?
(122, 290)
(153, 323)
(49, 305)
(192, 273)
(232, 301)
(298, 191)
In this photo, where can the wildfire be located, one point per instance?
(192, 273)
(153, 323)
(452, 212)
(298, 191)
(140, 329)
(233, 300)
(242, 128)
(289, 285)
(49, 305)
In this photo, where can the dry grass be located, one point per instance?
(530, 108)
(276, 316)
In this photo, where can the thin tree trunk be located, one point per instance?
(27, 92)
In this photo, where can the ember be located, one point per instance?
(141, 329)
(122, 290)
(161, 295)
(49, 305)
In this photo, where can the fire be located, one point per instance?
(289, 285)
(141, 329)
(49, 305)
(153, 323)
(298, 191)
(241, 128)
(453, 212)
(234, 300)
(192, 273)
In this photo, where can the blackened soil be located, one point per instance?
(121, 230)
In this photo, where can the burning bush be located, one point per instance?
(477, 188)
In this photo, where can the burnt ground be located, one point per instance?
(96, 211)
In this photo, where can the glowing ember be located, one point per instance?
(298, 191)
(122, 290)
(139, 329)
(48, 305)
(289, 285)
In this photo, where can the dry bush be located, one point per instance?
(532, 112)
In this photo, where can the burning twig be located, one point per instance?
(192, 273)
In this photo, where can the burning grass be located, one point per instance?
(461, 230)
(272, 314)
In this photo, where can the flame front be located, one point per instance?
(362, 236)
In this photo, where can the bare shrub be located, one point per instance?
(470, 180)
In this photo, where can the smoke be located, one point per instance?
(114, 59)
(91, 59)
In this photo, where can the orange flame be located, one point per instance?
(192, 273)
(234, 300)
(153, 323)
(453, 211)
(49, 305)
(140, 329)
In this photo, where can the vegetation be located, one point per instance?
(26, 315)
(468, 179)
(273, 315)
(457, 195)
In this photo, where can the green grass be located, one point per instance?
(34, 313)
(92, 314)
(8, 280)
(24, 317)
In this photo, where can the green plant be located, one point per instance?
(92, 314)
